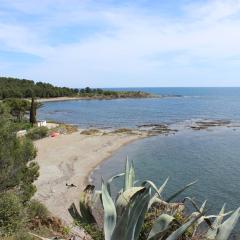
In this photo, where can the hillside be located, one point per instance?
(22, 88)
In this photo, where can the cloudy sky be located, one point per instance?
(120, 43)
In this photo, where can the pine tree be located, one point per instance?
(33, 112)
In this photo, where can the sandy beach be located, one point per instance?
(59, 99)
(70, 159)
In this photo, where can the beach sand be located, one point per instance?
(70, 159)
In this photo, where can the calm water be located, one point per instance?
(212, 157)
(223, 103)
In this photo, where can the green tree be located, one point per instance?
(18, 107)
(15, 155)
(33, 111)
(11, 214)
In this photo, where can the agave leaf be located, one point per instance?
(159, 191)
(124, 198)
(215, 216)
(129, 225)
(85, 204)
(177, 233)
(109, 181)
(110, 215)
(199, 210)
(180, 191)
(140, 217)
(74, 213)
(203, 206)
(39, 237)
(212, 232)
(225, 229)
(161, 224)
(126, 177)
(131, 175)
(152, 184)
(201, 219)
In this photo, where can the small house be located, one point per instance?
(42, 123)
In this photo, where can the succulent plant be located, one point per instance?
(124, 217)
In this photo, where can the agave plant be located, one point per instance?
(124, 216)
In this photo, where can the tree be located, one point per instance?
(18, 107)
(15, 155)
(33, 111)
(87, 90)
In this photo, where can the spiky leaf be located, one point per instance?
(181, 230)
(109, 181)
(110, 215)
(180, 191)
(129, 225)
(161, 224)
(226, 228)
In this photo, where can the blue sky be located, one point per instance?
(110, 43)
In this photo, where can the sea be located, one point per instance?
(211, 156)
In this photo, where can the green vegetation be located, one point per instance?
(15, 156)
(110, 94)
(11, 214)
(37, 133)
(140, 213)
(33, 112)
(17, 174)
(22, 88)
(18, 107)
(37, 210)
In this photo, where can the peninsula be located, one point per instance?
(22, 88)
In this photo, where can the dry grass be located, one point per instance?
(65, 129)
(123, 130)
(92, 131)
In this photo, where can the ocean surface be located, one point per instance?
(211, 156)
(196, 103)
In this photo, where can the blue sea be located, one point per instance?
(212, 156)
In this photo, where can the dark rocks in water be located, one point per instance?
(153, 125)
(205, 124)
(156, 129)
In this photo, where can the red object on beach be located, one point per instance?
(54, 134)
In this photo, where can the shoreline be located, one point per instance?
(71, 159)
(63, 99)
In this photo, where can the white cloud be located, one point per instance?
(132, 48)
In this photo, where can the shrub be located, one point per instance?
(22, 235)
(38, 133)
(37, 209)
(11, 214)
(92, 131)
(93, 231)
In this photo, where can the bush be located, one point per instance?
(11, 214)
(23, 235)
(93, 231)
(37, 209)
(38, 133)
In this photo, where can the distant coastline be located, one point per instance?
(60, 99)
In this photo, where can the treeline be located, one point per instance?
(111, 94)
(22, 88)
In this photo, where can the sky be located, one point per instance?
(120, 43)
